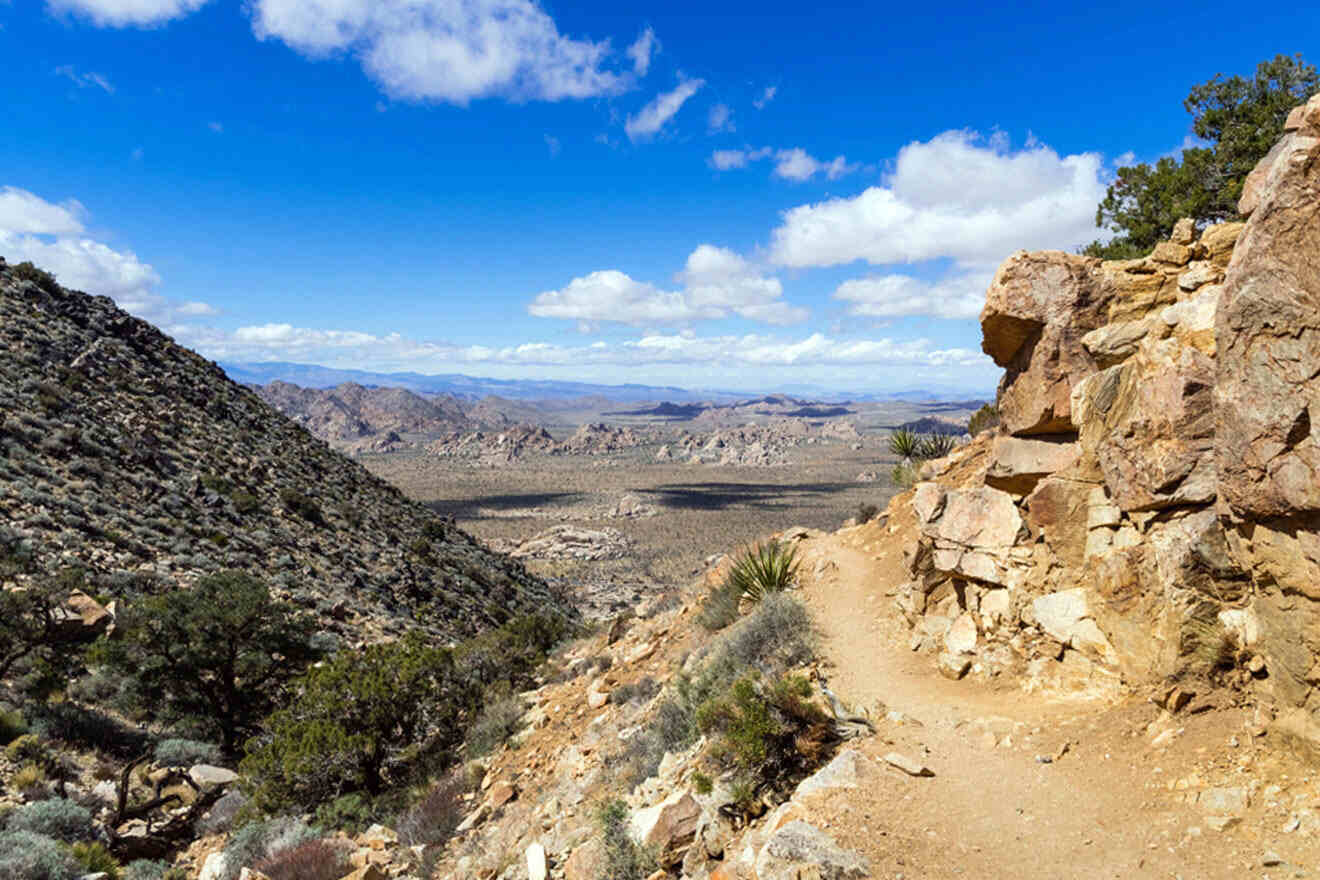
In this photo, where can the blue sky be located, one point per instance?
(746, 197)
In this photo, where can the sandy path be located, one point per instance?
(993, 809)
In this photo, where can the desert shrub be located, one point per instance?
(244, 502)
(186, 752)
(310, 860)
(145, 869)
(433, 819)
(763, 569)
(259, 841)
(28, 777)
(866, 513)
(57, 817)
(27, 748)
(904, 442)
(903, 476)
(771, 735)
(94, 858)
(639, 691)
(984, 418)
(26, 271)
(421, 548)
(936, 445)
(720, 607)
(87, 727)
(25, 855)
(624, 859)
(351, 812)
(12, 725)
(304, 506)
(497, 722)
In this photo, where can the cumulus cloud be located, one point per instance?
(720, 118)
(716, 282)
(440, 50)
(52, 236)
(651, 118)
(126, 13)
(894, 296)
(795, 164)
(955, 197)
(766, 97)
(643, 50)
(84, 80)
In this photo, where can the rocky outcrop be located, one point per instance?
(1151, 505)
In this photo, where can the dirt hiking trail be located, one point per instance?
(1033, 786)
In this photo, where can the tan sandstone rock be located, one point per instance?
(1017, 464)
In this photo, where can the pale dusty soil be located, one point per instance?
(1111, 806)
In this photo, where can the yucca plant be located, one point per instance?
(935, 445)
(904, 442)
(764, 569)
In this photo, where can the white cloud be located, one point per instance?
(894, 296)
(716, 282)
(611, 295)
(442, 50)
(651, 118)
(395, 351)
(952, 197)
(52, 237)
(766, 97)
(23, 212)
(720, 118)
(84, 80)
(127, 13)
(643, 50)
(797, 164)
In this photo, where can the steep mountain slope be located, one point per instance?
(130, 457)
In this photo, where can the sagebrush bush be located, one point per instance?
(58, 818)
(433, 819)
(639, 691)
(145, 869)
(903, 476)
(186, 752)
(302, 505)
(310, 860)
(762, 569)
(720, 607)
(351, 812)
(259, 841)
(624, 859)
(497, 722)
(25, 855)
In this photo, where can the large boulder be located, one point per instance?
(1037, 309)
(1017, 464)
(1150, 425)
(668, 827)
(1267, 395)
(800, 850)
(971, 533)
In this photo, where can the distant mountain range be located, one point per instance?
(475, 387)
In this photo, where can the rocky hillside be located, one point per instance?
(131, 457)
(354, 417)
(1150, 510)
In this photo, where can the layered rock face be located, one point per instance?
(1151, 505)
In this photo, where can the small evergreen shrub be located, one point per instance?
(244, 502)
(903, 476)
(25, 855)
(310, 860)
(185, 753)
(866, 513)
(624, 859)
(983, 419)
(26, 271)
(302, 505)
(720, 607)
(27, 748)
(58, 818)
(351, 812)
(94, 858)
